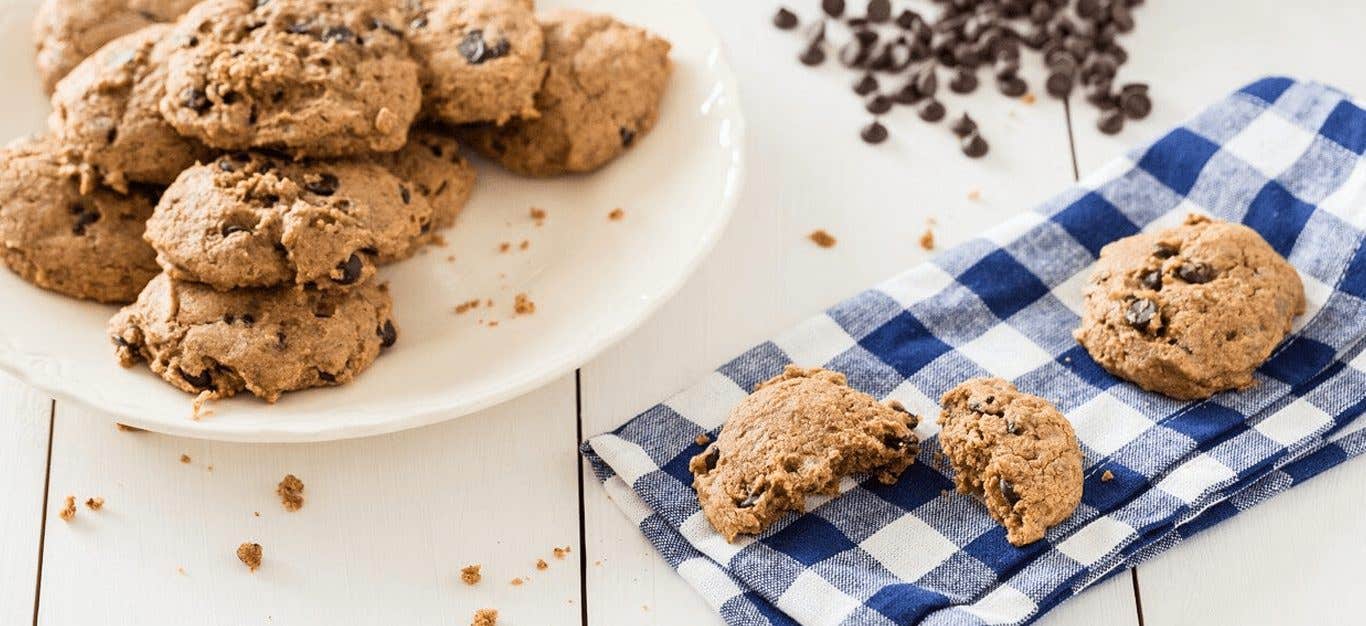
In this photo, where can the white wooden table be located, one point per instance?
(389, 521)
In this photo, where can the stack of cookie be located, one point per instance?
(241, 171)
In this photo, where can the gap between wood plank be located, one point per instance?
(42, 513)
(583, 535)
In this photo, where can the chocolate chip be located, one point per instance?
(855, 53)
(1012, 428)
(1165, 251)
(324, 309)
(1008, 492)
(376, 23)
(83, 220)
(388, 335)
(974, 146)
(931, 111)
(195, 100)
(476, 50)
(893, 442)
(1195, 272)
(406, 195)
(1152, 280)
(339, 34)
(327, 377)
(907, 94)
(907, 19)
(627, 136)
(1140, 313)
(1136, 105)
(785, 19)
(324, 184)
(833, 8)
(812, 55)
(299, 28)
(879, 11)
(874, 132)
(1110, 122)
(1012, 86)
(877, 104)
(710, 458)
(865, 85)
(1058, 84)
(248, 320)
(963, 126)
(202, 380)
(232, 229)
(926, 83)
(963, 82)
(752, 498)
(351, 270)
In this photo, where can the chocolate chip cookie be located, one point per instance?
(265, 341)
(601, 95)
(481, 59)
(1016, 452)
(104, 113)
(795, 436)
(86, 246)
(68, 31)
(312, 79)
(432, 164)
(252, 220)
(1189, 311)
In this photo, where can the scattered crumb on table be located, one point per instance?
(184, 458)
(256, 513)
(522, 305)
(505, 246)
(822, 238)
(517, 582)
(291, 492)
(560, 552)
(702, 439)
(485, 617)
(94, 504)
(181, 570)
(975, 195)
(927, 240)
(541, 564)
(470, 575)
(616, 215)
(1107, 476)
(526, 243)
(1029, 98)
(464, 307)
(492, 323)
(68, 512)
(538, 215)
(249, 554)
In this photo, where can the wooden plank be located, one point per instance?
(808, 170)
(387, 524)
(25, 416)
(1297, 556)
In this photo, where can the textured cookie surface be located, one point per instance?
(249, 220)
(1189, 311)
(796, 436)
(265, 341)
(1016, 452)
(481, 59)
(68, 31)
(86, 246)
(312, 79)
(601, 95)
(105, 114)
(432, 165)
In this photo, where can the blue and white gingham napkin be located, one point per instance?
(1283, 157)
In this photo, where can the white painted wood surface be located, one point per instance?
(389, 521)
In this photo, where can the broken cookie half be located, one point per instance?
(797, 435)
(1016, 452)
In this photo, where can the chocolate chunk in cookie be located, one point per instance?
(1189, 311)
(312, 79)
(481, 59)
(249, 219)
(797, 435)
(264, 341)
(432, 167)
(601, 96)
(68, 31)
(104, 114)
(1016, 452)
(84, 245)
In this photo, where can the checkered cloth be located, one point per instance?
(1281, 156)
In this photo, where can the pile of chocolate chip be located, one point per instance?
(899, 58)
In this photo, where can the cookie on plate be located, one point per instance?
(265, 341)
(1189, 311)
(601, 95)
(252, 220)
(104, 113)
(68, 31)
(84, 245)
(1016, 452)
(481, 59)
(311, 79)
(797, 435)
(433, 166)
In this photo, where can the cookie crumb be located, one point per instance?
(522, 305)
(541, 564)
(291, 492)
(943, 493)
(616, 215)
(538, 215)
(560, 552)
(702, 439)
(927, 240)
(485, 617)
(128, 429)
(68, 512)
(256, 513)
(181, 571)
(94, 504)
(200, 409)
(450, 258)
(505, 246)
(185, 458)
(975, 195)
(493, 323)
(517, 582)
(1029, 98)
(438, 241)
(1107, 476)
(464, 307)
(470, 575)
(250, 555)
(822, 238)
(526, 243)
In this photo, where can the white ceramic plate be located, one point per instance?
(592, 279)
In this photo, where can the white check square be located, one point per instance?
(1271, 144)
(1316, 294)
(1095, 540)
(1004, 605)
(811, 600)
(1190, 481)
(1297, 420)
(917, 285)
(1106, 424)
(909, 548)
(1349, 201)
(1005, 352)
(814, 342)
(709, 402)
